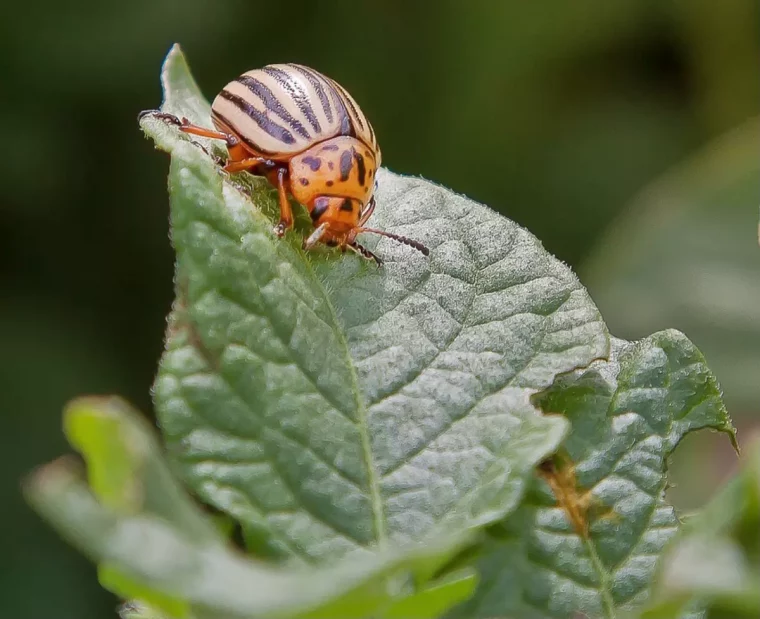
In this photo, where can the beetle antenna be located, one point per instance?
(360, 249)
(401, 239)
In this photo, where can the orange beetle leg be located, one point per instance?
(286, 213)
(186, 127)
(244, 164)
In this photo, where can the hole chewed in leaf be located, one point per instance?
(334, 408)
(559, 473)
(594, 548)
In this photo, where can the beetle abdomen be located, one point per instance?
(284, 109)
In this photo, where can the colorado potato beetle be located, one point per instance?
(309, 138)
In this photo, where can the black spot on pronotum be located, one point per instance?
(360, 167)
(303, 181)
(330, 165)
(313, 162)
(320, 206)
(347, 205)
(346, 157)
(329, 183)
(331, 147)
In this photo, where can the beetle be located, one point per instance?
(307, 135)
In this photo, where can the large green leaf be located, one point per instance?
(685, 255)
(330, 406)
(152, 544)
(587, 538)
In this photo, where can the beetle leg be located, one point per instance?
(366, 253)
(315, 236)
(170, 118)
(245, 164)
(367, 212)
(187, 127)
(286, 213)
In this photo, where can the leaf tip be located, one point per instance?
(48, 480)
(173, 56)
(89, 409)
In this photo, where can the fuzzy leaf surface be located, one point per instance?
(154, 546)
(587, 537)
(332, 406)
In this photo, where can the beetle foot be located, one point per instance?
(166, 117)
(280, 229)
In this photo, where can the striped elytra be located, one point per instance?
(309, 138)
(283, 109)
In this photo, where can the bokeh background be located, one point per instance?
(623, 134)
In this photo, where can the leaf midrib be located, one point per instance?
(605, 590)
(378, 513)
(381, 533)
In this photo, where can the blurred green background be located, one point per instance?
(567, 117)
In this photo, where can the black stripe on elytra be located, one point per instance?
(346, 126)
(266, 125)
(246, 141)
(360, 167)
(272, 103)
(320, 206)
(356, 114)
(316, 83)
(371, 133)
(346, 158)
(297, 93)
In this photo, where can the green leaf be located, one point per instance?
(139, 610)
(433, 601)
(126, 469)
(216, 581)
(154, 546)
(146, 601)
(715, 561)
(128, 474)
(685, 255)
(587, 538)
(330, 406)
